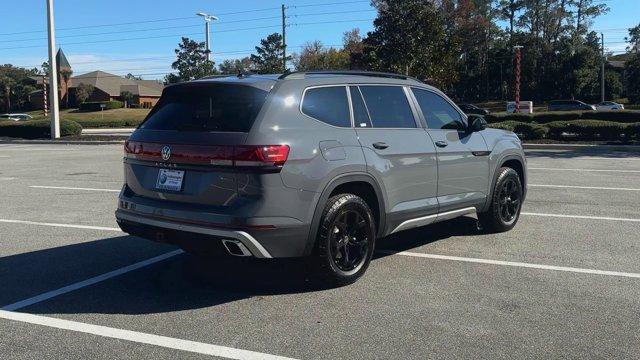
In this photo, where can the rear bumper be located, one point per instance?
(128, 221)
(289, 241)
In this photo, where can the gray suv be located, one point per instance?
(313, 164)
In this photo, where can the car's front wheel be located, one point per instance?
(345, 240)
(506, 202)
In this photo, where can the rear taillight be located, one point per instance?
(270, 156)
(261, 155)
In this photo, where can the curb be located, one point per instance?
(63, 142)
(582, 147)
(108, 131)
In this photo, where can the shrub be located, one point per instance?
(95, 105)
(547, 117)
(37, 129)
(587, 129)
(624, 116)
(526, 131)
(502, 117)
(531, 131)
(504, 125)
(109, 123)
(632, 130)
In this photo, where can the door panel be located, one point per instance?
(463, 164)
(463, 178)
(402, 157)
(407, 169)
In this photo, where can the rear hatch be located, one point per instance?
(191, 150)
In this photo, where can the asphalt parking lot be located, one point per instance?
(565, 283)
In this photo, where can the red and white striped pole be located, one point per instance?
(517, 73)
(44, 96)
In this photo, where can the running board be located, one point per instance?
(430, 219)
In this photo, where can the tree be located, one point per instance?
(83, 92)
(130, 76)
(65, 75)
(268, 57)
(314, 56)
(508, 10)
(236, 66)
(613, 84)
(191, 62)
(353, 46)
(409, 38)
(127, 97)
(634, 38)
(15, 86)
(632, 69)
(586, 11)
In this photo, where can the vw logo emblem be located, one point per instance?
(165, 152)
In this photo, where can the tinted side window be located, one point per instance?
(437, 111)
(360, 115)
(327, 104)
(388, 107)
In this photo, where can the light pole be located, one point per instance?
(207, 19)
(53, 74)
(602, 79)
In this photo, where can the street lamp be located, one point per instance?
(207, 19)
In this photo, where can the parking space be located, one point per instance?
(564, 283)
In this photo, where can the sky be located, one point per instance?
(139, 36)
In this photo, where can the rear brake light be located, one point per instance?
(221, 155)
(261, 155)
(132, 147)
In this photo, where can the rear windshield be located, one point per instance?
(206, 108)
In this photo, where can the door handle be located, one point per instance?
(441, 143)
(380, 145)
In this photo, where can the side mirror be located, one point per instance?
(476, 123)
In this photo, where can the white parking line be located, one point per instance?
(139, 337)
(597, 170)
(582, 187)
(88, 282)
(516, 264)
(72, 188)
(10, 221)
(580, 217)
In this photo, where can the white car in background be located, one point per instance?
(609, 105)
(16, 117)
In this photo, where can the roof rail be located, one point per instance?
(347, 72)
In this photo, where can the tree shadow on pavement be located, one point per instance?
(183, 282)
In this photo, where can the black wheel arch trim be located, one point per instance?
(324, 196)
(496, 174)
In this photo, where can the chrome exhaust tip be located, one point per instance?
(236, 248)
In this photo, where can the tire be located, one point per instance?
(506, 203)
(345, 241)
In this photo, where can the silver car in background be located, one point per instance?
(16, 117)
(313, 164)
(609, 105)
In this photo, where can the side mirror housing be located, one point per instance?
(476, 123)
